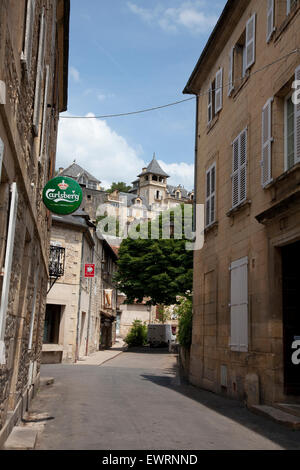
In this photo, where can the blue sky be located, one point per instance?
(126, 56)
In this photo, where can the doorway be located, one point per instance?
(291, 316)
(52, 324)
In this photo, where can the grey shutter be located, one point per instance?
(1, 156)
(235, 172)
(7, 266)
(297, 120)
(219, 91)
(270, 19)
(230, 72)
(209, 106)
(45, 114)
(266, 160)
(239, 305)
(250, 41)
(210, 195)
(29, 29)
(243, 166)
(39, 76)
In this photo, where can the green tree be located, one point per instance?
(120, 186)
(137, 335)
(184, 312)
(160, 269)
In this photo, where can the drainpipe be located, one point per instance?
(90, 306)
(79, 301)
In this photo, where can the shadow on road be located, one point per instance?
(229, 408)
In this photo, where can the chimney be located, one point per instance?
(144, 169)
(60, 170)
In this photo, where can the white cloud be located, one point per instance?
(107, 155)
(194, 16)
(75, 74)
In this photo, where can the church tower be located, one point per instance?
(153, 183)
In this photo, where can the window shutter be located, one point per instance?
(209, 108)
(270, 20)
(219, 91)
(7, 266)
(39, 75)
(243, 166)
(29, 29)
(235, 173)
(266, 161)
(239, 305)
(297, 120)
(210, 195)
(250, 41)
(1, 156)
(45, 114)
(230, 73)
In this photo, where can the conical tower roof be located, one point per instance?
(154, 168)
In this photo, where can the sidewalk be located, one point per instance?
(99, 357)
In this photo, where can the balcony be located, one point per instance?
(56, 264)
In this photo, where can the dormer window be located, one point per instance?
(177, 194)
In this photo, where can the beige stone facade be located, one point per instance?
(33, 90)
(78, 318)
(246, 300)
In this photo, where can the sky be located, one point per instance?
(126, 56)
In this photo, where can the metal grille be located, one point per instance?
(56, 261)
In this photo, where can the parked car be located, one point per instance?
(160, 335)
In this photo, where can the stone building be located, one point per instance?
(81, 311)
(33, 91)
(246, 326)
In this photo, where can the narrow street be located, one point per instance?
(136, 401)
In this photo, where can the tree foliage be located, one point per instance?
(160, 269)
(120, 186)
(184, 312)
(137, 335)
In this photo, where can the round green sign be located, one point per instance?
(62, 195)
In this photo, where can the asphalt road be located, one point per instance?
(136, 401)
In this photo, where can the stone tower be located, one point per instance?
(153, 183)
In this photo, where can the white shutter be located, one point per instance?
(266, 159)
(209, 107)
(270, 19)
(297, 120)
(250, 41)
(243, 166)
(235, 173)
(219, 91)
(210, 202)
(230, 72)
(45, 114)
(239, 305)
(39, 76)
(29, 29)
(7, 266)
(1, 156)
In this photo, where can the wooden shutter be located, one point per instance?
(39, 75)
(45, 114)
(7, 266)
(210, 195)
(29, 30)
(297, 120)
(1, 156)
(219, 91)
(266, 158)
(209, 107)
(270, 19)
(235, 173)
(250, 41)
(243, 166)
(230, 72)
(239, 305)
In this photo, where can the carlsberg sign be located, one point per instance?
(62, 195)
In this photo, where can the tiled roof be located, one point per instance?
(154, 168)
(75, 171)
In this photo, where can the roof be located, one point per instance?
(131, 198)
(173, 189)
(154, 168)
(213, 44)
(75, 171)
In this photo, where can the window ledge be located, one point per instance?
(236, 209)
(283, 176)
(211, 227)
(212, 123)
(286, 22)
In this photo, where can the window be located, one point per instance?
(239, 169)
(28, 35)
(230, 73)
(177, 195)
(39, 75)
(210, 202)
(215, 96)
(239, 305)
(267, 139)
(292, 128)
(270, 19)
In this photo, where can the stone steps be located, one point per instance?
(291, 408)
(278, 415)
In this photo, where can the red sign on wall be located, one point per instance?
(89, 270)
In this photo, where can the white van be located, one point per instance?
(160, 335)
